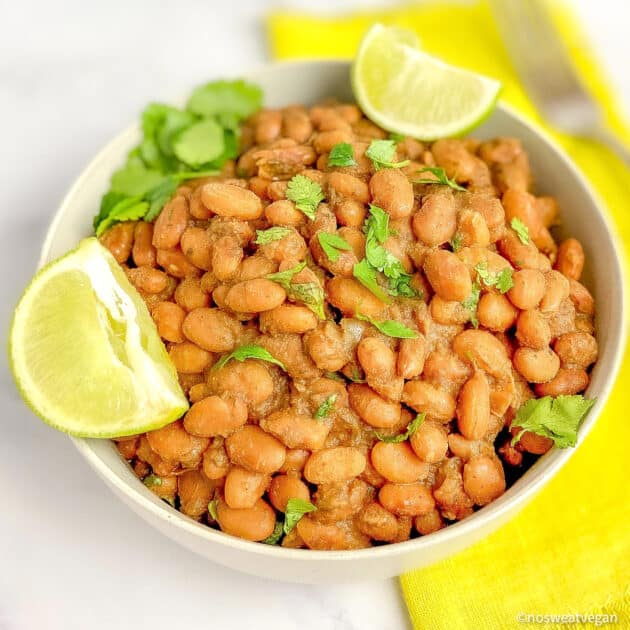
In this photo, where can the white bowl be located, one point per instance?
(307, 82)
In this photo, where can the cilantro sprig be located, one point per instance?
(264, 237)
(382, 154)
(305, 194)
(502, 280)
(556, 418)
(332, 244)
(342, 154)
(441, 178)
(471, 303)
(177, 144)
(296, 509)
(310, 293)
(412, 427)
(249, 352)
(325, 408)
(521, 230)
(275, 536)
(390, 327)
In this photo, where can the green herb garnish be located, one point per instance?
(200, 143)
(442, 178)
(366, 275)
(556, 418)
(249, 352)
(471, 303)
(310, 293)
(296, 509)
(456, 242)
(238, 98)
(502, 280)
(263, 237)
(275, 536)
(305, 194)
(341, 155)
(152, 480)
(412, 427)
(212, 509)
(324, 409)
(396, 137)
(332, 244)
(382, 153)
(390, 327)
(521, 230)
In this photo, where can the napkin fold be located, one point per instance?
(568, 551)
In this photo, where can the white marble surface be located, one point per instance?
(73, 73)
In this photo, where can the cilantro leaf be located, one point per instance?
(249, 352)
(134, 179)
(263, 237)
(521, 230)
(310, 293)
(502, 280)
(382, 153)
(129, 209)
(275, 536)
(324, 409)
(238, 98)
(441, 178)
(556, 418)
(471, 303)
(396, 137)
(341, 155)
(377, 223)
(305, 193)
(390, 327)
(174, 122)
(331, 244)
(296, 509)
(152, 480)
(366, 275)
(412, 427)
(212, 509)
(108, 203)
(456, 242)
(377, 231)
(200, 143)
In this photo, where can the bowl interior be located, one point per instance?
(307, 82)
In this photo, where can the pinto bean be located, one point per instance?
(410, 499)
(349, 186)
(428, 523)
(448, 275)
(332, 465)
(581, 298)
(425, 398)
(536, 366)
(295, 429)
(284, 212)
(557, 290)
(377, 523)
(255, 523)
(143, 252)
(393, 192)
(436, 221)
(372, 409)
(566, 382)
(528, 289)
(148, 280)
(398, 463)
(532, 330)
(212, 329)
(429, 442)
(496, 312)
(484, 479)
(473, 407)
(577, 349)
(119, 240)
(411, 356)
(255, 296)
(175, 263)
(197, 246)
(570, 259)
(288, 318)
(173, 444)
(253, 449)
(350, 212)
(216, 463)
(169, 318)
(214, 416)
(232, 201)
(190, 295)
(284, 487)
(195, 491)
(226, 259)
(189, 358)
(171, 223)
(249, 380)
(243, 487)
(484, 350)
(349, 296)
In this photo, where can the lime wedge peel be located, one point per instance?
(85, 352)
(407, 91)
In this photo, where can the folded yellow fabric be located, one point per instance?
(569, 550)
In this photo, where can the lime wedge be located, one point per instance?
(406, 91)
(85, 352)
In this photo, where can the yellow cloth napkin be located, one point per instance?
(568, 551)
